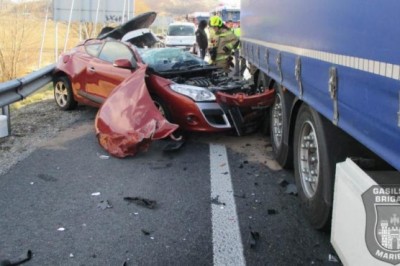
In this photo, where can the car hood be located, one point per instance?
(138, 22)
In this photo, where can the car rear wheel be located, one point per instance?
(63, 94)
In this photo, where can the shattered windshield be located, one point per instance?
(167, 59)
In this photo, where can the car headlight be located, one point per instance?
(198, 94)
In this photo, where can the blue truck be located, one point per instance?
(335, 68)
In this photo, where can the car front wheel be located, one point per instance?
(63, 94)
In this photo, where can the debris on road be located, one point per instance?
(19, 261)
(272, 211)
(103, 157)
(104, 204)
(242, 196)
(173, 146)
(291, 189)
(254, 238)
(160, 165)
(216, 201)
(333, 258)
(146, 232)
(282, 182)
(61, 229)
(147, 203)
(96, 194)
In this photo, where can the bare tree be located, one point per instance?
(16, 28)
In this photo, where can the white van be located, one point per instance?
(181, 34)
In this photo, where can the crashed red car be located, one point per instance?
(186, 90)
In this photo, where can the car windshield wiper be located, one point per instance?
(200, 66)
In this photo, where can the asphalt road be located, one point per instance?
(218, 201)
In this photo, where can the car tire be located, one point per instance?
(63, 94)
(279, 129)
(314, 165)
(163, 109)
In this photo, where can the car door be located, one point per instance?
(102, 77)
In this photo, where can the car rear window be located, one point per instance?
(115, 50)
(93, 49)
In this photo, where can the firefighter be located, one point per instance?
(225, 43)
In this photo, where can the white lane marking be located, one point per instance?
(375, 67)
(227, 241)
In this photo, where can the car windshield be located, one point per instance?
(167, 59)
(180, 30)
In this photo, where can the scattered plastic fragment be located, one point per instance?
(225, 173)
(242, 196)
(32, 183)
(282, 182)
(241, 166)
(216, 201)
(146, 232)
(254, 238)
(173, 146)
(61, 229)
(272, 211)
(291, 189)
(71, 255)
(333, 258)
(19, 261)
(104, 157)
(96, 194)
(104, 204)
(147, 203)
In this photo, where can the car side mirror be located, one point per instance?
(125, 63)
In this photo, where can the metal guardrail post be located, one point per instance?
(5, 110)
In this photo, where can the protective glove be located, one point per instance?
(226, 50)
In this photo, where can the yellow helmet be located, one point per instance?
(215, 21)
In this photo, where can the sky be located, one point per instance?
(179, 7)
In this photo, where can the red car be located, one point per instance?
(187, 90)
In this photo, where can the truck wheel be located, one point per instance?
(279, 129)
(63, 94)
(314, 166)
(263, 81)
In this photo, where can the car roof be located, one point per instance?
(182, 23)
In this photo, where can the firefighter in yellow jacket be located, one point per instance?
(225, 43)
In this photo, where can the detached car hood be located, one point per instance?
(139, 22)
(128, 120)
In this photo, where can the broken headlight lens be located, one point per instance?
(198, 94)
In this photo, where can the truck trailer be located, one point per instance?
(335, 69)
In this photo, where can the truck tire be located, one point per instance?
(314, 165)
(263, 81)
(279, 128)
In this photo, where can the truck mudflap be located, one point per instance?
(245, 110)
(128, 120)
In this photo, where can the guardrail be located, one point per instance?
(18, 89)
